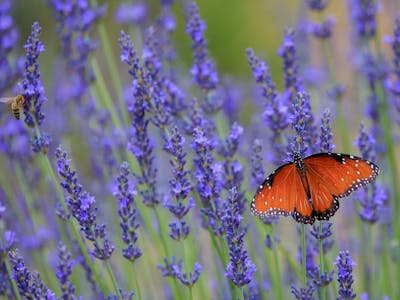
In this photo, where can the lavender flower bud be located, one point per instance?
(139, 143)
(240, 268)
(75, 20)
(31, 86)
(127, 214)
(363, 13)
(29, 285)
(304, 293)
(275, 114)
(345, 265)
(203, 70)
(326, 136)
(64, 271)
(318, 5)
(83, 208)
(288, 53)
(302, 120)
(324, 29)
(10, 66)
(131, 13)
(256, 163)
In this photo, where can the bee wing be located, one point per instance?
(6, 100)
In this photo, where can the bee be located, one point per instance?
(17, 103)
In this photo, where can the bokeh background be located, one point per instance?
(232, 27)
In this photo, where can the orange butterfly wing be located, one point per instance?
(282, 193)
(333, 175)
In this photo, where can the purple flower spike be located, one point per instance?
(290, 68)
(345, 265)
(208, 185)
(303, 293)
(75, 20)
(31, 86)
(240, 268)
(319, 279)
(394, 84)
(29, 285)
(396, 48)
(180, 183)
(41, 144)
(127, 214)
(233, 171)
(325, 231)
(139, 143)
(10, 66)
(372, 204)
(256, 163)
(326, 136)
(363, 13)
(82, 207)
(324, 29)
(14, 140)
(366, 142)
(275, 114)
(302, 120)
(124, 295)
(131, 13)
(179, 230)
(8, 241)
(203, 70)
(64, 271)
(174, 269)
(318, 5)
(188, 279)
(6, 244)
(169, 268)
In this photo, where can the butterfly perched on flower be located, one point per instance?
(310, 188)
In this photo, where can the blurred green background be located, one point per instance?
(232, 26)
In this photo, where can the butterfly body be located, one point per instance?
(309, 188)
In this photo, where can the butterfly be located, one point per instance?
(310, 188)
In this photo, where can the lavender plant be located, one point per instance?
(154, 134)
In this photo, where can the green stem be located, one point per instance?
(391, 156)
(112, 67)
(139, 294)
(35, 218)
(392, 170)
(321, 250)
(190, 293)
(341, 120)
(221, 258)
(363, 258)
(321, 257)
(161, 236)
(174, 285)
(277, 270)
(303, 255)
(386, 285)
(104, 94)
(371, 291)
(289, 258)
(6, 187)
(114, 281)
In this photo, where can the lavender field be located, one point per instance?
(147, 128)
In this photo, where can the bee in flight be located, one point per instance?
(17, 103)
